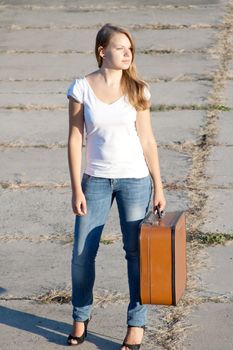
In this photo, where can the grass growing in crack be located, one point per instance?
(55, 296)
(109, 239)
(106, 241)
(194, 107)
(216, 238)
(34, 107)
(222, 108)
(64, 297)
(15, 186)
(30, 145)
(172, 330)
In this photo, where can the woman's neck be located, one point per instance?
(111, 77)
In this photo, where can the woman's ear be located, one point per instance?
(101, 51)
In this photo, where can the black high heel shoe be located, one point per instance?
(78, 340)
(133, 346)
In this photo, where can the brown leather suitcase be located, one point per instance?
(162, 244)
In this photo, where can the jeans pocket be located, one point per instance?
(85, 178)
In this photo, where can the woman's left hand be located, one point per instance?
(159, 200)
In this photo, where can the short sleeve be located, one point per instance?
(147, 93)
(75, 90)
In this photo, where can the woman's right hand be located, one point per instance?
(79, 204)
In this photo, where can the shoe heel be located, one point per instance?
(85, 326)
(80, 339)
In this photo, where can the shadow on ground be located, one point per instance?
(52, 330)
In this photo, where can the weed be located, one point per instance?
(215, 238)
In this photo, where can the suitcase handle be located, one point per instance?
(158, 212)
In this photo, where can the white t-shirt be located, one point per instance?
(113, 148)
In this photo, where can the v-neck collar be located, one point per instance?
(97, 98)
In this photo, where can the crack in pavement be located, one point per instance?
(97, 7)
(180, 186)
(150, 26)
(154, 52)
(157, 79)
(160, 107)
(174, 323)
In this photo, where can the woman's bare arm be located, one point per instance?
(75, 142)
(149, 146)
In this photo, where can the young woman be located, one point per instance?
(121, 162)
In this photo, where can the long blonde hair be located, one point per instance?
(131, 84)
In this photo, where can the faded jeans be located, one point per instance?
(133, 200)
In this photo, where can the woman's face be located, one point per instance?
(118, 53)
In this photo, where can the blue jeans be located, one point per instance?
(133, 199)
